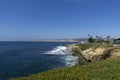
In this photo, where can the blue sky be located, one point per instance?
(57, 19)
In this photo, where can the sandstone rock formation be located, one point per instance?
(100, 53)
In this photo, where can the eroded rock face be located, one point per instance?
(115, 53)
(100, 53)
(93, 55)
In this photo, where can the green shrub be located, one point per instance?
(93, 45)
(87, 46)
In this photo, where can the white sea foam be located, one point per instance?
(59, 50)
(71, 60)
(67, 56)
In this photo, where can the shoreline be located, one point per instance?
(96, 55)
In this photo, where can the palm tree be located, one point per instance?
(100, 40)
(97, 37)
(108, 39)
(88, 35)
(91, 40)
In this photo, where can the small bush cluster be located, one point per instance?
(87, 46)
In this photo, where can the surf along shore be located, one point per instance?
(97, 62)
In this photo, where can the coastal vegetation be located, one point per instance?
(103, 70)
(101, 59)
(99, 39)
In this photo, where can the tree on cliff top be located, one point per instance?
(91, 40)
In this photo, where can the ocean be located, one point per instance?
(19, 59)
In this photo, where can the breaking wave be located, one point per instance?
(59, 50)
(65, 55)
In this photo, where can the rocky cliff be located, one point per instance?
(95, 52)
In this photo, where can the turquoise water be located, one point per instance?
(25, 58)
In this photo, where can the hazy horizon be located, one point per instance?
(58, 19)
